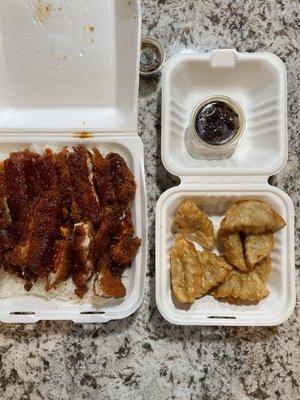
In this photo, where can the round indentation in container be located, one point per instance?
(217, 122)
(152, 56)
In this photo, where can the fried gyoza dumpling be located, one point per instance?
(242, 285)
(233, 249)
(263, 269)
(194, 224)
(185, 270)
(214, 270)
(258, 247)
(252, 216)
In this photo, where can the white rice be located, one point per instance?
(12, 286)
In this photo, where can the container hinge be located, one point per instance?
(48, 136)
(207, 180)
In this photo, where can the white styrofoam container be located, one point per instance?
(65, 69)
(71, 67)
(258, 83)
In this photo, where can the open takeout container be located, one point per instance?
(257, 82)
(68, 67)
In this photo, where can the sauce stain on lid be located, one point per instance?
(83, 135)
(43, 11)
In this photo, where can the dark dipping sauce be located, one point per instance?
(216, 123)
(150, 58)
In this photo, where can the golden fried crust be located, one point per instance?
(84, 256)
(110, 224)
(114, 181)
(4, 213)
(263, 269)
(65, 185)
(233, 249)
(122, 179)
(83, 187)
(185, 270)
(126, 246)
(252, 216)
(124, 251)
(34, 250)
(244, 286)
(108, 282)
(258, 247)
(214, 270)
(194, 224)
(62, 261)
(14, 169)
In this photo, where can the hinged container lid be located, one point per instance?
(257, 82)
(69, 65)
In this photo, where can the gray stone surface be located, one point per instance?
(144, 357)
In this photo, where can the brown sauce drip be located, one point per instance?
(83, 135)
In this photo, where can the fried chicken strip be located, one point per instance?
(114, 181)
(84, 257)
(33, 252)
(115, 244)
(62, 261)
(104, 183)
(108, 282)
(117, 258)
(16, 188)
(82, 180)
(110, 224)
(33, 174)
(126, 246)
(4, 212)
(66, 189)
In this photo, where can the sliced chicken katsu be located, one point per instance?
(116, 259)
(104, 184)
(27, 176)
(108, 282)
(84, 256)
(82, 180)
(61, 265)
(65, 215)
(33, 174)
(110, 224)
(4, 211)
(34, 252)
(16, 188)
(114, 244)
(122, 180)
(70, 208)
(126, 245)
(114, 180)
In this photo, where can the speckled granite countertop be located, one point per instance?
(143, 357)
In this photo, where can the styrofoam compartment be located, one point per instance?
(257, 82)
(215, 181)
(67, 67)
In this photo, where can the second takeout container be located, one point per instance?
(69, 75)
(257, 82)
